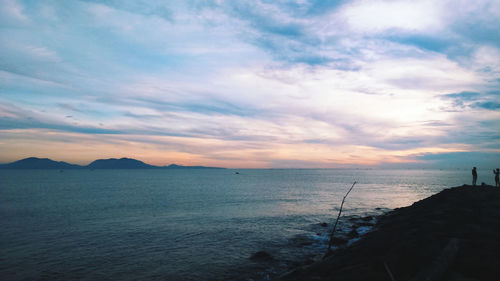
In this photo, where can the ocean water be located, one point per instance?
(189, 224)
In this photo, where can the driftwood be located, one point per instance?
(330, 243)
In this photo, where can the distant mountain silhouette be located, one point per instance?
(112, 163)
(122, 163)
(39, 163)
(174, 166)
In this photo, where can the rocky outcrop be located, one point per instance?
(452, 235)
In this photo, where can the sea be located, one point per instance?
(192, 224)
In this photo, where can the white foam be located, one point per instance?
(364, 229)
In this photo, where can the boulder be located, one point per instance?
(261, 255)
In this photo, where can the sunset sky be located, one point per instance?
(252, 83)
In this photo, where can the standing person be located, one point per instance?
(497, 172)
(474, 176)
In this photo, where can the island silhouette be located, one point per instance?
(111, 163)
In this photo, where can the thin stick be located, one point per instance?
(389, 271)
(340, 212)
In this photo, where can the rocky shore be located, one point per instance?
(453, 235)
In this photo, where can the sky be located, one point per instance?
(252, 83)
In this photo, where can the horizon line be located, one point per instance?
(383, 166)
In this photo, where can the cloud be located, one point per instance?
(264, 82)
(380, 16)
(15, 117)
(146, 8)
(12, 14)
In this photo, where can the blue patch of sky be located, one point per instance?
(95, 48)
(473, 99)
(424, 42)
(489, 105)
(494, 93)
(464, 96)
(482, 29)
(307, 8)
(286, 39)
(312, 59)
(320, 7)
(479, 134)
(495, 123)
(470, 158)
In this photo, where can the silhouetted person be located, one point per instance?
(474, 176)
(497, 172)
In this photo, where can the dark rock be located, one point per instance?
(309, 261)
(411, 241)
(324, 224)
(262, 256)
(364, 224)
(353, 233)
(339, 241)
(368, 218)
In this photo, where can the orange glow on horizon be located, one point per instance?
(164, 150)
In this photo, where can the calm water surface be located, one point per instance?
(187, 224)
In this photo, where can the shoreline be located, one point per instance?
(451, 235)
